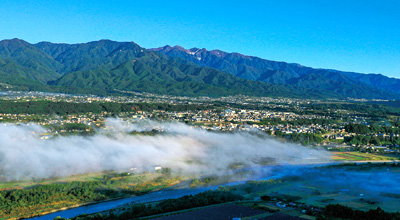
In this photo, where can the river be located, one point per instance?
(156, 196)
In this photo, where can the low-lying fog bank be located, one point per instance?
(24, 155)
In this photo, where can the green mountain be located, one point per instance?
(158, 73)
(19, 58)
(88, 56)
(257, 69)
(104, 67)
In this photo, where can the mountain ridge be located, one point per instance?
(255, 68)
(105, 66)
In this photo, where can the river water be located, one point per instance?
(263, 173)
(98, 207)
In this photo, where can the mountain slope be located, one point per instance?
(104, 66)
(254, 68)
(375, 80)
(87, 56)
(247, 67)
(161, 74)
(19, 58)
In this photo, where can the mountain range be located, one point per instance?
(106, 67)
(257, 69)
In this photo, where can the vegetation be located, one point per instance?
(374, 140)
(339, 111)
(281, 73)
(358, 156)
(16, 203)
(372, 129)
(169, 205)
(337, 211)
(366, 134)
(303, 138)
(43, 198)
(64, 108)
(362, 166)
(164, 75)
(104, 66)
(299, 122)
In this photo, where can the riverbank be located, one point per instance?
(310, 185)
(49, 198)
(155, 195)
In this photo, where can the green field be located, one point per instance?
(358, 156)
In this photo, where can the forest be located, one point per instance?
(38, 199)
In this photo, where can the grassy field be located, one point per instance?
(30, 183)
(358, 156)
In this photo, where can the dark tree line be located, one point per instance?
(374, 140)
(336, 211)
(63, 108)
(372, 129)
(169, 205)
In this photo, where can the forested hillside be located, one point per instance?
(105, 67)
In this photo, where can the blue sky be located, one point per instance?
(353, 35)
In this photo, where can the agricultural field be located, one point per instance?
(361, 187)
(216, 213)
(359, 156)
